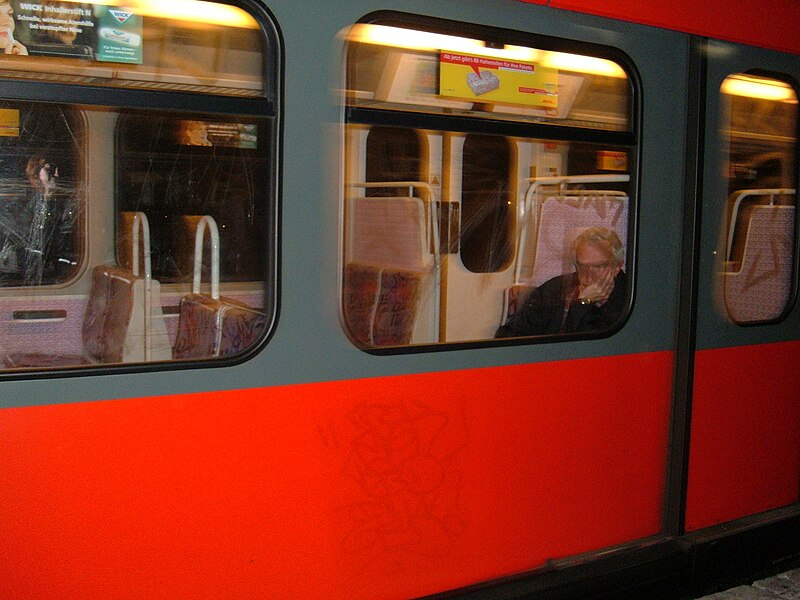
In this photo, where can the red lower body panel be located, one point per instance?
(745, 442)
(376, 488)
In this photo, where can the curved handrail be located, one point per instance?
(140, 223)
(742, 195)
(213, 230)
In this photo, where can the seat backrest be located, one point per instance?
(514, 297)
(561, 219)
(360, 300)
(760, 290)
(380, 304)
(396, 310)
(123, 321)
(388, 232)
(388, 254)
(109, 313)
(198, 328)
(241, 326)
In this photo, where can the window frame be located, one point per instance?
(268, 106)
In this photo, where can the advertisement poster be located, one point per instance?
(9, 122)
(483, 79)
(119, 35)
(70, 29)
(413, 79)
(224, 135)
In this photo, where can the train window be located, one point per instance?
(487, 186)
(129, 233)
(393, 154)
(759, 224)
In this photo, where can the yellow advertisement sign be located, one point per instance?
(483, 79)
(610, 160)
(9, 122)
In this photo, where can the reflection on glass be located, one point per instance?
(136, 236)
(448, 221)
(393, 154)
(759, 223)
(446, 235)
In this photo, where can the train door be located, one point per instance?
(744, 452)
(483, 181)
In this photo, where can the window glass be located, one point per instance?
(461, 229)
(171, 167)
(393, 155)
(132, 235)
(759, 221)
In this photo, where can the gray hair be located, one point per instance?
(602, 234)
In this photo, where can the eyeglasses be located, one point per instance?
(591, 268)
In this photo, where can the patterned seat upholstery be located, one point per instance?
(210, 328)
(361, 292)
(514, 297)
(211, 325)
(380, 304)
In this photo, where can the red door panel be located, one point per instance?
(744, 454)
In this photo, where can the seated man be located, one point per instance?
(590, 299)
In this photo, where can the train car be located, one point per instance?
(400, 299)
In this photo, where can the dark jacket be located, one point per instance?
(544, 312)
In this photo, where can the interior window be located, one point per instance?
(393, 154)
(171, 167)
(487, 204)
(42, 186)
